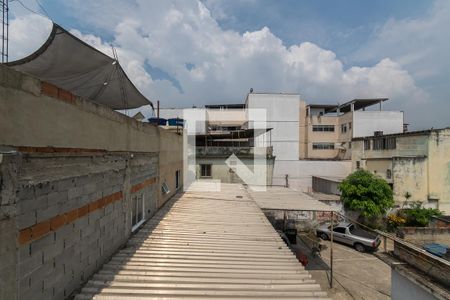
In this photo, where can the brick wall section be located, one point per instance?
(72, 211)
(51, 90)
(38, 230)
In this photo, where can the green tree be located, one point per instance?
(417, 215)
(366, 193)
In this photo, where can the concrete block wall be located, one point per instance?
(64, 215)
(435, 267)
(36, 114)
(424, 235)
(69, 169)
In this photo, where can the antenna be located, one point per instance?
(5, 29)
(121, 77)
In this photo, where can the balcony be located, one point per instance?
(226, 151)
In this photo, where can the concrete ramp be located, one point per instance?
(204, 245)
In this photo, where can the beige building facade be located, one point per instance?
(417, 163)
(326, 131)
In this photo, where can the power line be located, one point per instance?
(33, 11)
(43, 9)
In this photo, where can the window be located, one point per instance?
(351, 228)
(378, 144)
(366, 144)
(177, 179)
(339, 229)
(323, 146)
(343, 128)
(358, 164)
(349, 125)
(205, 170)
(137, 211)
(433, 203)
(390, 143)
(165, 188)
(329, 128)
(384, 143)
(388, 174)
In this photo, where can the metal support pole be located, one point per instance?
(331, 251)
(157, 111)
(385, 241)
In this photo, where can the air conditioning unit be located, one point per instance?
(378, 133)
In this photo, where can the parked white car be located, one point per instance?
(350, 234)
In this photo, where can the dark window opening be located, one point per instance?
(385, 143)
(177, 179)
(137, 211)
(205, 170)
(339, 230)
(329, 128)
(323, 146)
(388, 174)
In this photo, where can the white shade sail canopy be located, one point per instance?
(69, 63)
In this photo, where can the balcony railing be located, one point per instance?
(221, 151)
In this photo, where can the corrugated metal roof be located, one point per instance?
(207, 245)
(280, 198)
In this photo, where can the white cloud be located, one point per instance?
(224, 64)
(421, 45)
(26, 34)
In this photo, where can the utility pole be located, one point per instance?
(157, 111)
(331, 250)
(5, 29)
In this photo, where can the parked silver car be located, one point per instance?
(350, 234)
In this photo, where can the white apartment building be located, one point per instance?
(306, 139)
(315, 140)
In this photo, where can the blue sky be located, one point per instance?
(197, 52)
(338, 25)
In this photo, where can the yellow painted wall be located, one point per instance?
(322, 137)
(439, 166)
(410, 175)
(380, 168)
(420, 165)
(308, 136)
